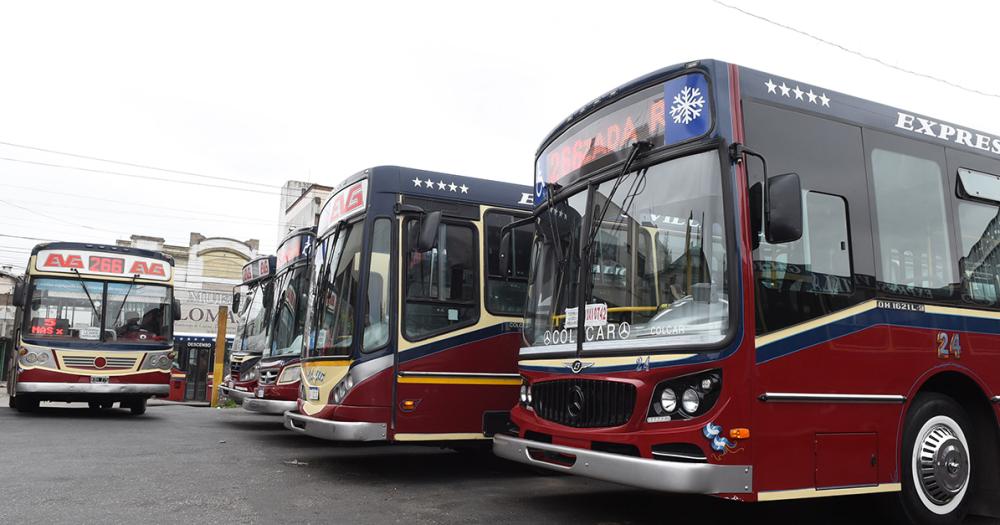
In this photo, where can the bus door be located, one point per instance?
(456, 361)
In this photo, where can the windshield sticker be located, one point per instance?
(689, 113)
(90, 333)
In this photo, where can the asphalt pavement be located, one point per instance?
(178, 464)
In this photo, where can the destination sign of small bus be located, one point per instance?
(674, 112)
(100, 263)
(256, 269)
(292, 250)
(346, 203)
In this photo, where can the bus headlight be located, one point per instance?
(685, 397)
(691, 401)
(35, 357)
(164, 362)
(289, 374)
(342, 389)
(525, 394)
(251, 374)
(31, 358)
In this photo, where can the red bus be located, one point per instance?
(278, 371)
(412, 328)
(95, 325)
(787, 292)
(253, 303)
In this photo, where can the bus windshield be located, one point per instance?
(338, 270)
(252, 336)
(73, 309)
(658, 260)
(289, 312)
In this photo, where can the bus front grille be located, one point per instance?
(90, 363)
(584, 403)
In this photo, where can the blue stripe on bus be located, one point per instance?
(451, 342)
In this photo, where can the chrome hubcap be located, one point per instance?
(942, 464)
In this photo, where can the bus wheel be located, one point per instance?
(936, 466)
(137, 407)
(23, 403)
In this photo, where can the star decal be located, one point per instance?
(430, 183)
(798, 92)
(825, 100)
(771, 86)
(812, 96)
(417, 182)
(784, 89)
(465, 189)
(452, 186)
(441, 184)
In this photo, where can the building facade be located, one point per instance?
(300, 205)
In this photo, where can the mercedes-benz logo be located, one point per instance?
(576, 401)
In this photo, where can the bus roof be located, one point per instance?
(60, 245)
(438, 185)
(804, 97)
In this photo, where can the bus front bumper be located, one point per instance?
(268, 406)
(667, 476)
(94, 388)
(236, 395)
(334, 430)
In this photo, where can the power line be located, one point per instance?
(858, 53)
(135, 176)
(135, 165)
(40, 214)
(102, 199)
(106, 211)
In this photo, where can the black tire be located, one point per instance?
(939, 492)
(137, 407)
(10, 401)
(94, 405)
(23, 403)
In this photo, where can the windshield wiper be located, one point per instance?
(584, 268)
(83, 284)
(128, 291)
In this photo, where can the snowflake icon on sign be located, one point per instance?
(687, 105)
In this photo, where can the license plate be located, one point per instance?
(260, 392)
(99, 380)
(313, 393)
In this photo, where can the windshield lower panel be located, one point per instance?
(73, 310)
(658, 262)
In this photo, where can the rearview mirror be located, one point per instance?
(427, 237)
(176, 308)
(18, 299)
(783, 216)
(236, 302)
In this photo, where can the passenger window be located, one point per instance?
(441, 283)
(915, 251)
(505, 293)
(377, 309)
(979, 227)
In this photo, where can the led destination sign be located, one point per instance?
(84, 262)
(345, 204)
(667, 114)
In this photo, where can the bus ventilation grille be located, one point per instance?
(584, 403)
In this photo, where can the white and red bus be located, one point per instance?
(95, 324)
(253, 305)
(753, 287)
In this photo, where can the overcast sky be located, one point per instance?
(264, 92)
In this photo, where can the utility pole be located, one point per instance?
(218, 369)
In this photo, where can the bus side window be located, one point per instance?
(441, 283)
(979, 232)
(912, 219)
(505, 293)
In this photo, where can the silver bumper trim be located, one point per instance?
(667, 476)
(92, 388)
(334, 430)
(268, 406)
(238, 395)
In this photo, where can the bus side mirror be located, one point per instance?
(783, 216)
(504, 254)
(18, 298)
(176, 308)
(427, 237)
(236, 302)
